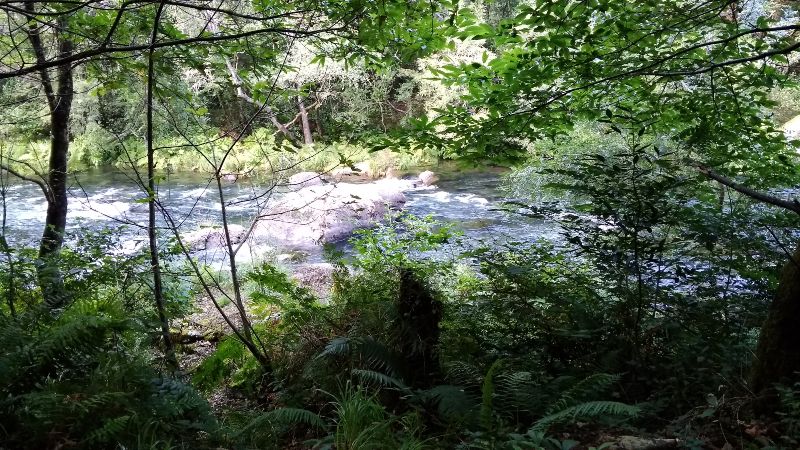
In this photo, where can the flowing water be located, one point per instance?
(470, 200)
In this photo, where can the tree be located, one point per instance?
(45, 30)
(688, 71)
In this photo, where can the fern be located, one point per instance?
(283, 417)
(73, 374)
(73, 339)
(107, 433)
(518, 391)
(379, 379)
(452, 402)
(487, 396)
(464, 374)
(586, 389)
(172, 398)
(584, 411)
(339, 346)
(371, 353)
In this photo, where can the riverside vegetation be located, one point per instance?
(648, 134)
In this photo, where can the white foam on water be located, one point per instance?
(98, 210)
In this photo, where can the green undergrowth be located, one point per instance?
(428, 340)
(256, 154)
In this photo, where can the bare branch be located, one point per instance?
(791, 205)
(19, 175)
(240, 92)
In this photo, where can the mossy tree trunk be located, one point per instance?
(778, 351)
(59, 94)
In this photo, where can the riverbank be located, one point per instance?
(256, 155)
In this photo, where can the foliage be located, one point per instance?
(266, 429)
(789, 414)
(74, 380)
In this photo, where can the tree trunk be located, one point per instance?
(318, 123)
(417, 330)
(155, 265)
(56, 219)
(48, 272)
(777, 358)
(778, 351)
(59, 100)
(240, 92)
(307, 138)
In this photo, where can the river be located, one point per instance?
(470, 200)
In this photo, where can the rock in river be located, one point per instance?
(213, 237)
(305, 179)
(315, 215)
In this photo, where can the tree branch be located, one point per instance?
(102, 50)
(34, 36)
(237, 82)
(791, 205)
(39, 183)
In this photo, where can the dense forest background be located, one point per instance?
(656, 138)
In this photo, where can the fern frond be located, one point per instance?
(463, 374)
(377, 356)
(172, 398)
(111, 428)
(373, 354)
(285, 417)
(339, 346)
(584, 411)
(100, 400)
(586, 389)
(518, 391)
(452, 402)
(75, 337)
(487, 395)
(380, 379)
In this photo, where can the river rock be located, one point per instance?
(340, 172)
(230, 177)
(316, 215)
(364, 169)
(213, 237)
(391, 173)
(428, 178)
(304, 179)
